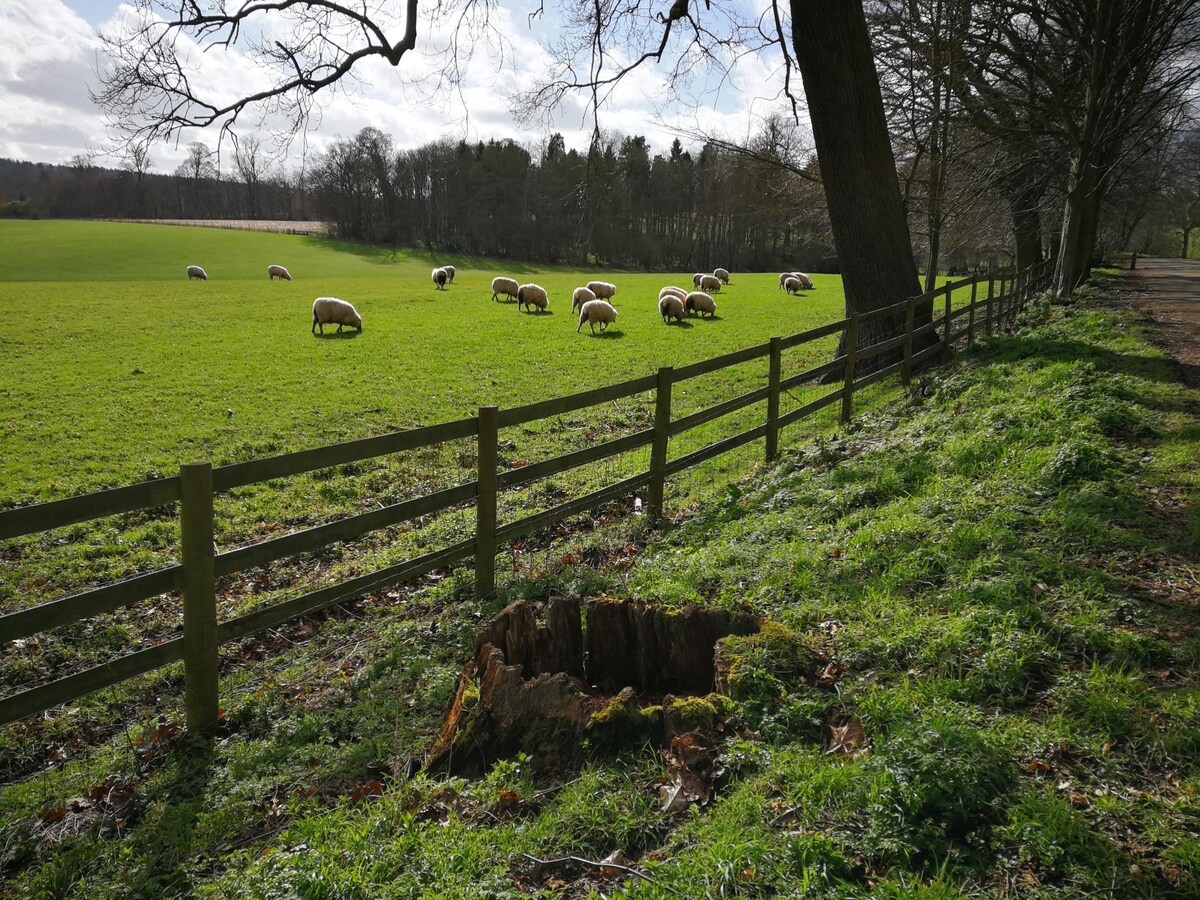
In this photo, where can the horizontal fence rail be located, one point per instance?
(995, 300)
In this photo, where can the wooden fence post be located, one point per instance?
(774, 373)
(485, 502)
(987, 319)
(1002, 312)
(851, 363)
(971, 311)
(906, 362)
(946, 348)
(199, 583)
(658, 449)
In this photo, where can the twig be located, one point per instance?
(601, 865)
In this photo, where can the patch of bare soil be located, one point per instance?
(1167, 292)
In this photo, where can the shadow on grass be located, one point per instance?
(337, 335)
(609, 334)
(388, 256)
(539, 312)
(683, 323)
(1018, 346)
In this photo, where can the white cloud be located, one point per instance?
(52, 52)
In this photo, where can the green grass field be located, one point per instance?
(114, 366)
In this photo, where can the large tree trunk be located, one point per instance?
(1081, 220)
(833, 51)
(1027, 227)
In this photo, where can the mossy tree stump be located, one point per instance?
(532, 687)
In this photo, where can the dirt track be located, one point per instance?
(1167, 291)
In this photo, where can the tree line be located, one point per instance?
(251, 187)
(617, 202)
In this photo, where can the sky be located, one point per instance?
(52, 55)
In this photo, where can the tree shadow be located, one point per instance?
(1141, 365)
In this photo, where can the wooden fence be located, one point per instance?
(196, 484)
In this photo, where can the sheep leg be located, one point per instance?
(314, 328)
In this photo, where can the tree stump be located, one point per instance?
(528, 687)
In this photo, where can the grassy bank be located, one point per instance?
(998, 573)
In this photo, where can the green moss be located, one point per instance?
(684, 714)
(623, 723)
(758, 666)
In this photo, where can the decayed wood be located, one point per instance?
(650, 648)
(553, 644)
(529, 687)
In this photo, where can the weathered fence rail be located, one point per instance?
(194, 489)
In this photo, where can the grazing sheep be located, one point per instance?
(700, 303)
(805, 281)
(597, 311)
(506, 286)
(671, 289)
(602, 289)
(792, 285)
(440, 277)
(783, 276)
(449, 274)
(670, 307)
(332, 311)
(723, 274)
(580, 296)
(710, 283)
(274, 272)
(196, 272)
(696, 280)
(531, 295)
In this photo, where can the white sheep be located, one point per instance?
(597, 311)
(449, 274)
(439, 277)
(723, 274)
(784, 276)
(792, 285)
(696, 280)
(670, 307)
(710, 283)
(602, 289)
(671, 289)
(580, 296)
(531, 295)
(506, 286)
(274, 272)
(805, 281)
(332, 311)
(196, 272)
(700, 303)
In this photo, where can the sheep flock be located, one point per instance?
(594, 302)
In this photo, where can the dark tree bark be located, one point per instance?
(1027, 226)
(858, 170)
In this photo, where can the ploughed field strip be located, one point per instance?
(978, 676)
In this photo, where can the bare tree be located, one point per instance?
(252, 168)
(196, 175)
